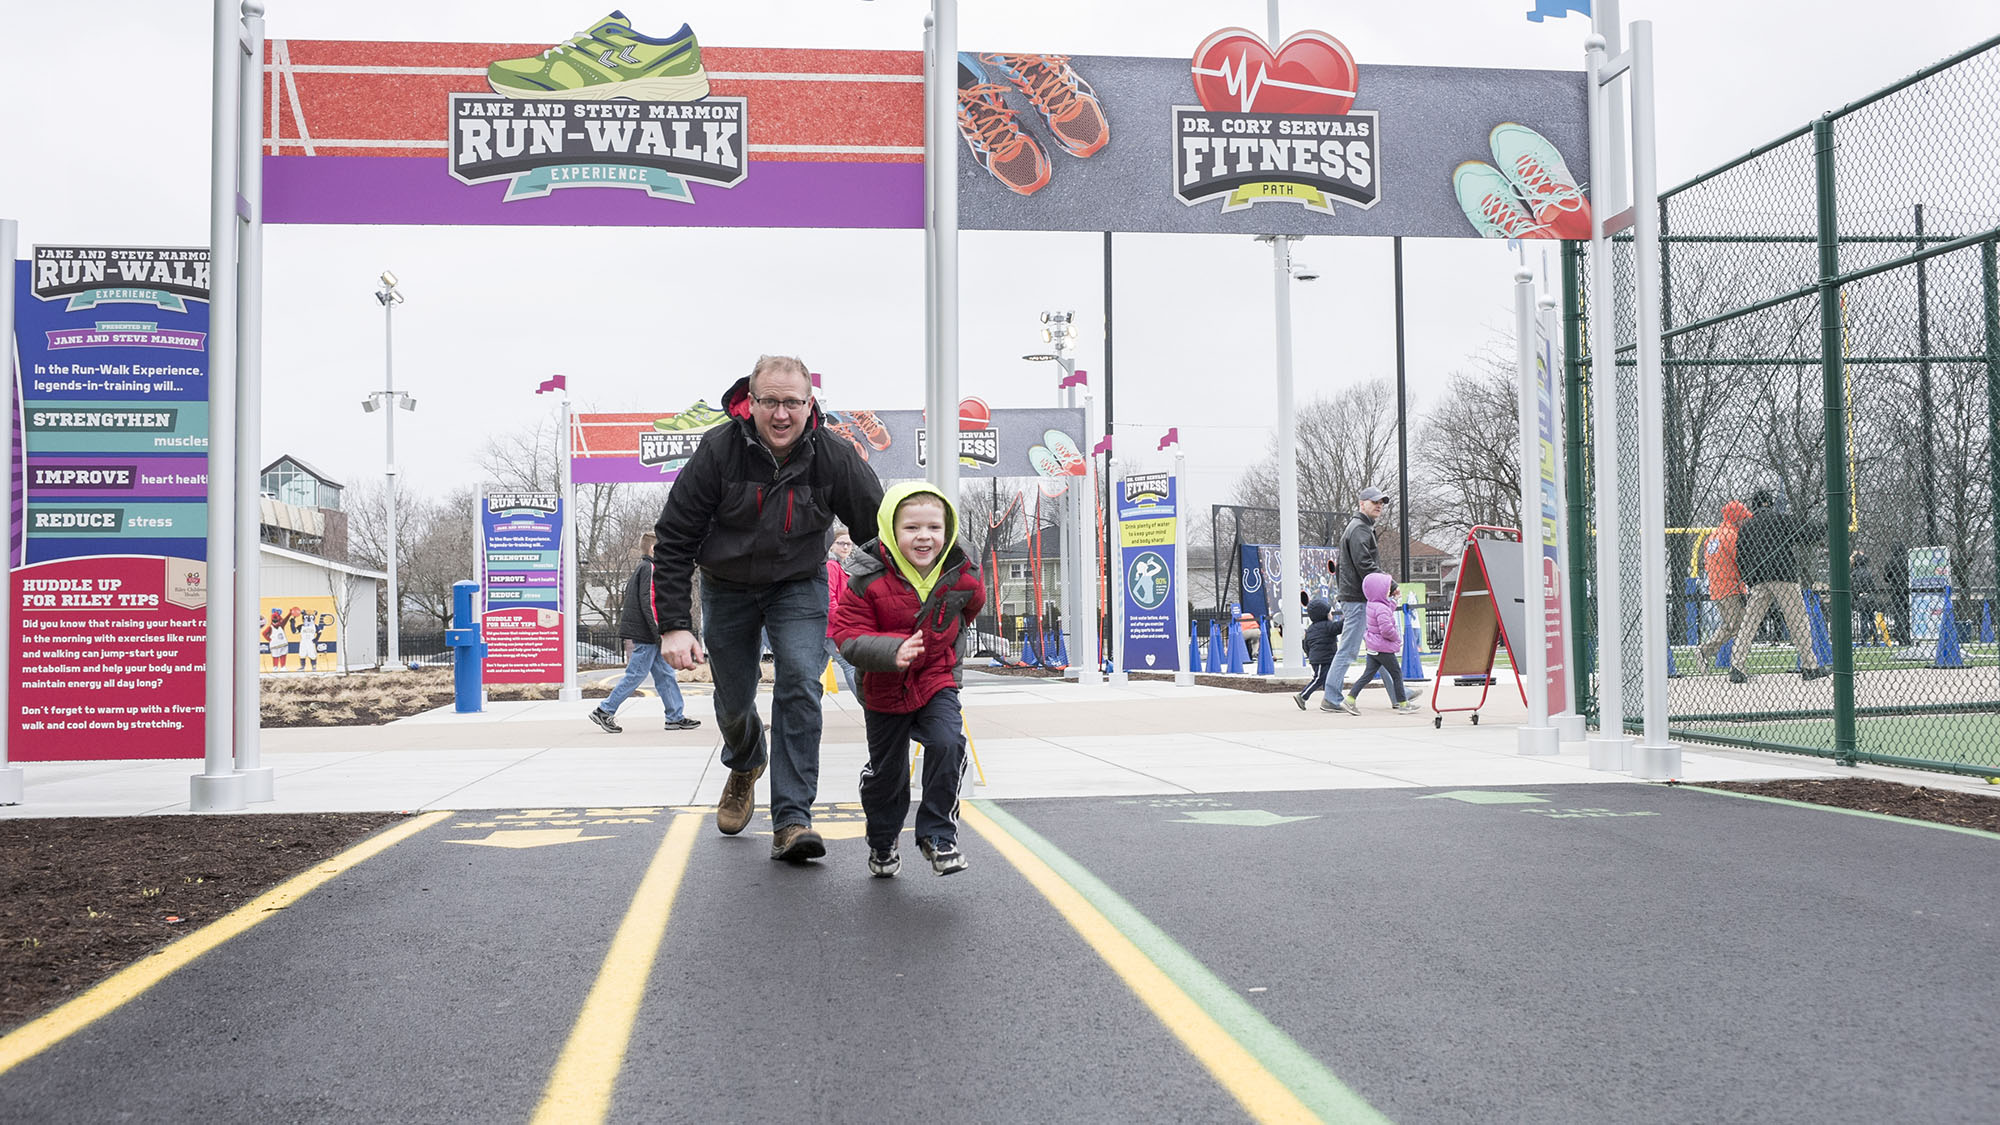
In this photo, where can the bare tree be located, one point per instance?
(340, 587)
(1468, 448)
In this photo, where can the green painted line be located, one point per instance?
(1486, 797)
(1291, 1064)
(1244, 818)
(1849, 812)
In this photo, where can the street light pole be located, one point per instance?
(389, 401)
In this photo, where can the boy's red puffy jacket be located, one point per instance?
(878, 611)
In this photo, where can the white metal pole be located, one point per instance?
(1606, 20)
(1114, 576)
(1568, 722)
(258, 779)
(1658, 758)
(1536, 736)
(1066, 539)
(1609, 748)
(933, 142)
(1083, 653)
(218, 787)
(1182, 600)
(13, 782)
(942, 419)
(389, 408)
(1286, 607)
(571, 616)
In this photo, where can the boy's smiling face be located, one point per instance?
(920, 532)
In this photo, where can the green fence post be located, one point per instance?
(1581, 558)
(1833, 375)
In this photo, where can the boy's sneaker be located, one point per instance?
(1300, 699)
(608, 61)
(1328, 704)
(683, 723)
(1407, 707)
(944, 855)
(883, 863)
(1350, 705)
(605, 720)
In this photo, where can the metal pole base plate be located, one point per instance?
(1569, 728)
(224, 793)
(1609, 752)
(259, 784)
(1657, 763)
(1537, 741)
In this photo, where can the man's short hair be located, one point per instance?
(647, 542)
(779, 363)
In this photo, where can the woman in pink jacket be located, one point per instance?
(836, 581)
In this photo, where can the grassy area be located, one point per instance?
(1965, 739)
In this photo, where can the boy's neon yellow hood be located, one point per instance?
(885, 530)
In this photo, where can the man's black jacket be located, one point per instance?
(746, 519)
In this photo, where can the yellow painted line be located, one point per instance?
(1254, 1087)
(579, 1089)
(38, 1035)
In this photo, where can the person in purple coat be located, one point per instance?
(1383, 641)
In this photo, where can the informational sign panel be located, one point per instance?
(1930, 581)
(1148, 536)
(651, 127)
(647, 448)
(299, 634)
(109, 601)
(1555, 635)
(521, 533)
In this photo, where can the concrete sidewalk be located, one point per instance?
(1033, 738)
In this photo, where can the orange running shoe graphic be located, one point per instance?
(1002, 148)
(871, 427)
(1066, 101)
(845, 432)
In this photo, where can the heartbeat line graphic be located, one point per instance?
(1233, 81)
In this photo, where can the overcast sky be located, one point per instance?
(674, 314)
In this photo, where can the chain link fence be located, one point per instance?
(1831, 373)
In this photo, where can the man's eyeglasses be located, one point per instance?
(790, 405)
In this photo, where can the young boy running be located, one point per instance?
(908, 594)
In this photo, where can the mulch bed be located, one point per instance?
(82, 897)
(1890, 798)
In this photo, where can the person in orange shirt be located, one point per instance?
(1725, 584)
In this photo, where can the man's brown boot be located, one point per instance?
(797, 843)
(739, 800)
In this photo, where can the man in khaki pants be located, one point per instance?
(1770, 570)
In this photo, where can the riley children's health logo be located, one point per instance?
(1276, 125)
(611, 107)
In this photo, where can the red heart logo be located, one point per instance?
(1235, 72)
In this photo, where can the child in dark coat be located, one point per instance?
(908, 596)
(1322, 641)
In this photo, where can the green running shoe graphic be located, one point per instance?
(700, 416)
(608, 62)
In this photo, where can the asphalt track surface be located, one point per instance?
(1563, 954)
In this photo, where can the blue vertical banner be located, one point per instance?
(521, 537)
(110, 591)
(1148, 531)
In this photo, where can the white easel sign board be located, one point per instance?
(1488, 609)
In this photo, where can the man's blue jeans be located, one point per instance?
(1353, 628)
(645, 659)
(794, 615)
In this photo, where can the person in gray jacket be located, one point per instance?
(636, 625)
(1357, 560)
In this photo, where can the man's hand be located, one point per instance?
(911, 651)
(682, 650)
